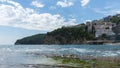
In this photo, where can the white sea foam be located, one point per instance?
(63, 49)
(83, 50)
(28, 53)
(118, 52)
(109, 53)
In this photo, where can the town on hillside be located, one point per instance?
(104, 32)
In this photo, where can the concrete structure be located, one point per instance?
(101, 28)
(89, 27)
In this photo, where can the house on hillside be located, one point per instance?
(100, 28)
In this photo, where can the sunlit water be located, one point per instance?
(36, 54)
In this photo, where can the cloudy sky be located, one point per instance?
(20, 18)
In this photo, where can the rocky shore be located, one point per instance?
(35, 66)
(72, 61)
(88, 61)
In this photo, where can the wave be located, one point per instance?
(59, 50)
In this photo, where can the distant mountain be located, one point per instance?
(69, 35)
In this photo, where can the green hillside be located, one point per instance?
(69, 35)
(64, 35)
(35, 39)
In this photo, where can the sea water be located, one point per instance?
(12, 56)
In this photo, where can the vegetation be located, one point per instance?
(103, 62)
(114, 19)
(64, 35)
(69, 35)
(35, 39)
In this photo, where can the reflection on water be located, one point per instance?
(37, 54)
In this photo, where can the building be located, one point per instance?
(101, 28)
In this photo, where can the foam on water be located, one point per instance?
(83, 50)
(36, 54)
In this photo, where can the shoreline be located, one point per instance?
(97, 42)
(34, 66)
(89, 61)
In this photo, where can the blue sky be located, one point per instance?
(21, 18)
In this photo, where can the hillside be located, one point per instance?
(64, 35)
(113, 19)
(69, 35)
(35, 39)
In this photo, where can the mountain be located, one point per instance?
(69, 35)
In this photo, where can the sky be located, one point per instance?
(21, 18)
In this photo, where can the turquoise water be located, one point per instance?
(36, 54)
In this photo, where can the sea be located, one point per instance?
(36, 56)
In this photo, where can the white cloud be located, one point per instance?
(37, 4)
(84, 2)
(13, 14)
(65, 3)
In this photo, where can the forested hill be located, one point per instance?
(35, 39)
(69, 35)
(64, 35)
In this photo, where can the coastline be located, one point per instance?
(89, 61)
(60, 56)
(35, 66)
